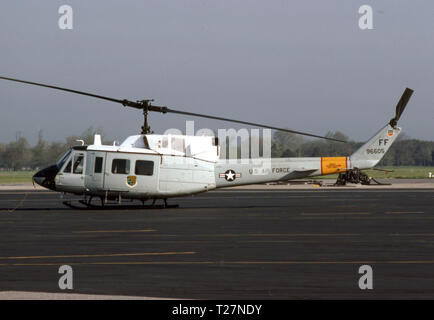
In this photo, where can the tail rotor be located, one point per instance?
(402, 103)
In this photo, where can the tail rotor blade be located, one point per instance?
(402, 103)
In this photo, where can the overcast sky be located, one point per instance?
(302, 64)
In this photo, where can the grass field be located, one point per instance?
(394, 173)
(13, 177)
(402, 172)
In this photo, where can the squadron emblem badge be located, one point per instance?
(131, 181)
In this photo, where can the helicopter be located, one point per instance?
(150, 166)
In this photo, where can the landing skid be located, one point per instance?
(89, 206)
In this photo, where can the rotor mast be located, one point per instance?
(145, 106)
(146, 128)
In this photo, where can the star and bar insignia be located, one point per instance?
(230, 175)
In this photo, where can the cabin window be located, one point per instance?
(144, 168)
(121, 166)
(178, 144)
(68, 167)
(78, 164)
(98, 165)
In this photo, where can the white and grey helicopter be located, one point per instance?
(152, 166)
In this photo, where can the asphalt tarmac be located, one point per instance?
(229, 244)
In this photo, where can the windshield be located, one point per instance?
(62, 160)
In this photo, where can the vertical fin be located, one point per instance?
(368, 155)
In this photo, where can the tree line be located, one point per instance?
(404, 152)
(19, 155)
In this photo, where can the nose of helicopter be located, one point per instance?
(45, 177)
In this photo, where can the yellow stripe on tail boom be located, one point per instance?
(331, 165)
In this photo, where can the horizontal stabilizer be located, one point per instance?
(305, 171)
(298, 174)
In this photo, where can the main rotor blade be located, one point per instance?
(148, 107)
(124, 102)
(168, 110)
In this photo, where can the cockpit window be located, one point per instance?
(78, 164)
(62, 160)
(68, 167)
